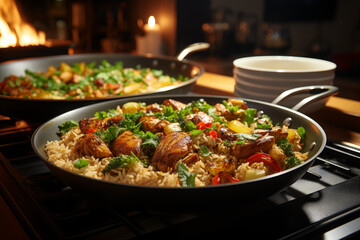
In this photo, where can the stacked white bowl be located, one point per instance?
(266, 77)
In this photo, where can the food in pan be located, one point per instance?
(176, 144)
(80, 81)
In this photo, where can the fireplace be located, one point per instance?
(19, 38)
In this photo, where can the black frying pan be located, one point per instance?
(41, 110)
(177, 198)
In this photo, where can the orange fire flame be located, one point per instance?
(14, 31)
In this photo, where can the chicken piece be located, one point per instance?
(199, 117)
(153, 124)
(277, 132)
(238, 102)
(126, 143)
(223, 111)
(262, 144)
(171, 149)
(176, 105)
(191, 159)
(154, 108)
(226, 133)
(92, 145)
(87, 124)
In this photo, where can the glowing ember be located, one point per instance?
(14, 31)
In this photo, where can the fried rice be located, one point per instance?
(64, 152)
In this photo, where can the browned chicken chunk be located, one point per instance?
(171, 149)
(223, 111)
(176, 105)
(226, 133)
(153, 124)
(277, 132)
(238, 102)
(262, 144)
(126, 143)
(154, 108)
(92, 145)
(199, 117)
(191, 159)
(87, 124)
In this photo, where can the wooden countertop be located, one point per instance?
(340, 117)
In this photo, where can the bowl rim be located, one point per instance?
(241, 63)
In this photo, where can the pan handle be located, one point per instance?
(319, 92)
(192, 48)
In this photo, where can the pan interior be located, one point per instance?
(169, 65)
(314, 132)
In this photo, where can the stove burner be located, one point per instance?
(323, 204)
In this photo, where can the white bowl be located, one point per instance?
(285, 80)
(284, 64)
(266, 77)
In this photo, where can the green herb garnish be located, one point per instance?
(149, 143)
(204, 151)
(245, 136)
(186, 178)
(109, 113)
(301, 131)
(265, 126)
(110, 134)
(80, 163)
(231, 107)
(287, 147)
(67, 126)
(120, 161)
(250, 115)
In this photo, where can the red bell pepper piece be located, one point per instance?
(203, 125)
(113, 86)
(266, 159)
(213, 133)
(223, 177)
(215, 180)
(91, 131)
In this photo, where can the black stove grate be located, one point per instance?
(323, 204)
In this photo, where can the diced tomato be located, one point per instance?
(203, 125)
(213, 133)
(223, 177)
(215, 180)
(266, 159)
(91, 131)
(112, 86)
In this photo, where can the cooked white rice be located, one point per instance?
(63, 154)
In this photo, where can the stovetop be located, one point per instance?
(323, 204)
